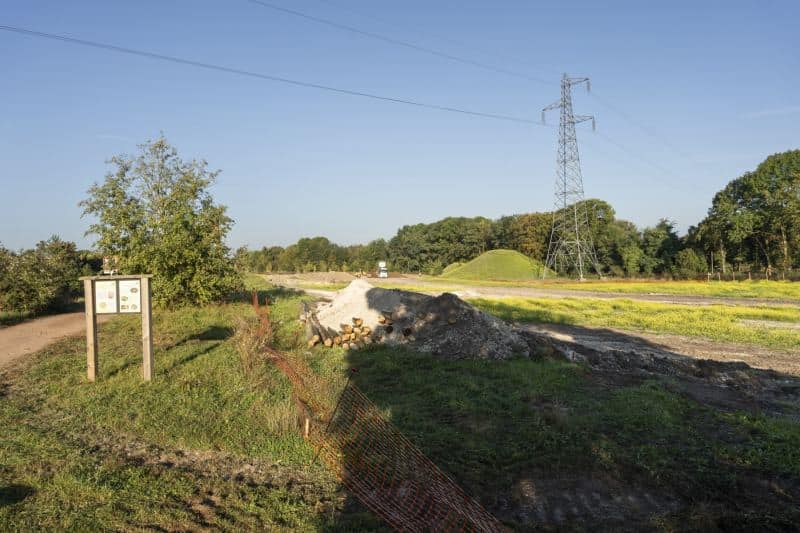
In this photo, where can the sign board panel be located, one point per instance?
(118, 294)
(130, 296)
(105, 297)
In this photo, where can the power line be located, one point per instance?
(649, 132)
(442, 38)
(461, 59)
(251, 74)
(398, 42)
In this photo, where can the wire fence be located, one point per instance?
(374, 460)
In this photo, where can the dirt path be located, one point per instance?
(33, 335)
(475, 291)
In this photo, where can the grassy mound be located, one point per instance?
(497, 264)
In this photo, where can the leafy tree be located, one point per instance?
(631, 256)
(660, 244)
(755, 219)
(689, 264)
(156, 213)
(44, 278)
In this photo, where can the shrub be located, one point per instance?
(689, 264)
(45, 278)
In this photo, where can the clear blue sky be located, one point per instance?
(717, 80)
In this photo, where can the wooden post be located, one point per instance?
(306, 428)
(147, 331)
(91, 330)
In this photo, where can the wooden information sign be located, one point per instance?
(111, 295)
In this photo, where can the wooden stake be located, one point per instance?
(91, 330)
(306, 427)
(147, 330)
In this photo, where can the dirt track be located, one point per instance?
(33, 335)
(307, 281)
(473, 291)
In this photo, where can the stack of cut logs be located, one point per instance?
(349, 337)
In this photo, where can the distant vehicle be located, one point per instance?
(383, 272)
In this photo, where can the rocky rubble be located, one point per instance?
(443, 325)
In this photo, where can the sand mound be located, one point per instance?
(443, 325)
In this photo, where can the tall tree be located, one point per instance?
(156, 213)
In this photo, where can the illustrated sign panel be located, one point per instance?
(130, 296)
(105, 294)
(118, 296)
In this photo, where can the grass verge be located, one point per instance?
(716, 322)
(206, 445)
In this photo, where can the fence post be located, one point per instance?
(91, 330)
(147, 330)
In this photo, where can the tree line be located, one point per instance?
(753, 225)
(155, 211)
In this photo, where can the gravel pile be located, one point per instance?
(443, 325)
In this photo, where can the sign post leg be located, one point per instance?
(147, 331)
(91, 330)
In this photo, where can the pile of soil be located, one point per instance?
(442, 325)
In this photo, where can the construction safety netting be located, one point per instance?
(375, 461)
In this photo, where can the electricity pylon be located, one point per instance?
(571, 247)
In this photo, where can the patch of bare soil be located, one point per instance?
(321, 278)
(556, 503)
(32, 335)
(724, 382)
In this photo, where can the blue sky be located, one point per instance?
(711, 88)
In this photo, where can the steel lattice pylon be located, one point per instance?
(571, 248)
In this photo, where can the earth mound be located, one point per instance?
(442, 325)
(497, 265)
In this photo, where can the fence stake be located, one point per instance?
(91, 330)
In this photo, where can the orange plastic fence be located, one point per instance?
(376, 462)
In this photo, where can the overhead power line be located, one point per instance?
(649, 132)
(399, 42)
(258, 75)
(442, 38)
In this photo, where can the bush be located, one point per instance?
(42, 279)
(689, 264)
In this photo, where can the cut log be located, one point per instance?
(357, 322)
(337, 340)
(346, 345)
(328, 343)
(357, 331)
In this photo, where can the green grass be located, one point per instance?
(496, 265)
(67, 461)
(771, 290)
(64, 448)
(716, 322)
(491, 425)
(728, 289)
